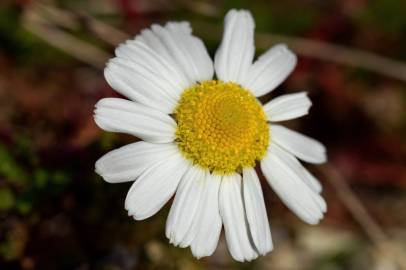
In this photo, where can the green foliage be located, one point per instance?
(40, 178)
(9, 168)
(229, 4)
(24, 204)
(26, 48)
(277, 17)
(31, 186)
(107, 140)
(7, 199)
(9, 250)
(388, 15)
(284, 19)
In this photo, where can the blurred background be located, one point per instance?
(56, 213)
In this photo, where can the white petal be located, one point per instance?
(270, 70)
(140, 53)
(287, 107)
(308, 178)
(234, 219)
(311, 180)
(139, 84)
(151, 40)
(156, 66)
(204, 234)
(200, 66)
(128, 162)
(300, 171)
(287, 181)
(256, 212)
(120, 115)
(155, 186)
(185, 205)
(183, 50)
(236, 52)
(303, 147)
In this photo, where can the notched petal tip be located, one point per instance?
(235, 12)
(185, 25)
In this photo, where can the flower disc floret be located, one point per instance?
(221, 126)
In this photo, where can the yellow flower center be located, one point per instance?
(221, 127)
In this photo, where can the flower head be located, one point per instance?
(202, 136)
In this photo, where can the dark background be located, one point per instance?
(56, 213)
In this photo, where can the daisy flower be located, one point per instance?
(203, 134)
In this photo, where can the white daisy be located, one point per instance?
(202, 136)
